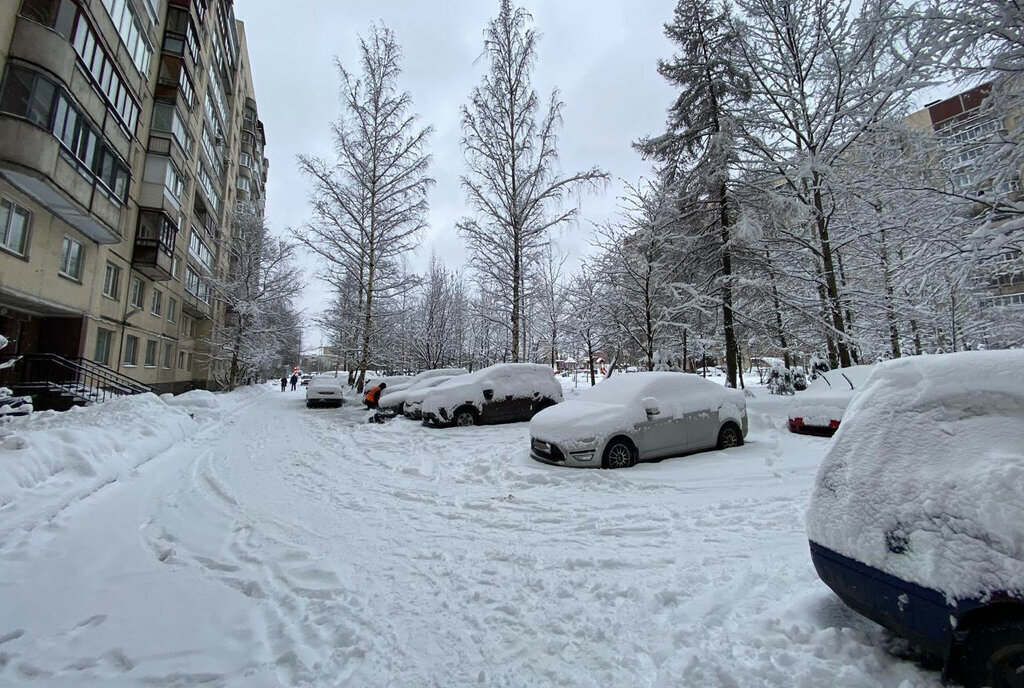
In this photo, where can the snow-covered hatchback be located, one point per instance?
(638, 417)
(917, 515)
(501, 393)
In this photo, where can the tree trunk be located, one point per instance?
(727, 316)
(890, 304)
(833, 299)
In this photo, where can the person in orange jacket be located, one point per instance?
(372, 396)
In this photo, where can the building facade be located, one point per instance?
(128, 132)
(964, 128)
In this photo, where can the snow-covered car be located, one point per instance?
(325, 390)
(501, 393)
(396, 401)
(304, 380)
(819, 410)
(916, 518)
(638, 417)
(396, 385)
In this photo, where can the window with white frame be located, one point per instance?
(14, 222)
(136, 293)
(168, 351)
(172, 309)
(131, 350)
(112, 281)
(156, 302)
(71, 253)
(104, 339)
(150, 353)
(200, 250)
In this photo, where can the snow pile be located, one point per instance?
(207, 407)
(925, 478)
(52, 459)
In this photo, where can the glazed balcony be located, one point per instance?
(154, 245)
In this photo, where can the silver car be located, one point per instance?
(639, 417)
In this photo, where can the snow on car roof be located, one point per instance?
(624, 389)
(925, 477)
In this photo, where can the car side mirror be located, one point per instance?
(488, 394)
(651, 407)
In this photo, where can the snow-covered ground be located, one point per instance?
(260, 543)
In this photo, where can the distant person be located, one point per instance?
(284, 383)
(372, 396)
(295, 380)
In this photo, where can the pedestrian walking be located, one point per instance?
(284, 383)
(295, 380)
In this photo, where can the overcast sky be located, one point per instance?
(601, 54)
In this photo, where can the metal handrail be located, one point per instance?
(78, 378)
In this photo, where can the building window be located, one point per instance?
(172, 309)
(150, 353)
(112, 281)
(196, 286)
(71, 258)
(168, 350)
(132, 32)
(14, 222)
(181, 360)
(200, 250)
(156, 303)
(131, 350)
(105, 75)
(176, 268)
(103, 341)
(137, 293)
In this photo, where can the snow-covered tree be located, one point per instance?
(257, 294)
(701, 136)
(511, 153)
(822, 75)
(370, 204)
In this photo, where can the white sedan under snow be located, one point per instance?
(325, 390)
(638, 417)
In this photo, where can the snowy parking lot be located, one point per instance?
(277, 545)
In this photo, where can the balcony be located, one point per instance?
(154, 245)
(32, 160)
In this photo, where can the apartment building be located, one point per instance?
(128, 132)
(963, 126)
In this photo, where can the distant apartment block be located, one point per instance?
(128, 132)
(963, 128)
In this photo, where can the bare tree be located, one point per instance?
(257, 294)
(822, 76)
(370, 205)
(513, 184)
(436, 332)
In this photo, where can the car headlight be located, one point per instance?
(587, 440)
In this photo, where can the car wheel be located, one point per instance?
(465, 417)
(729, 436)
(619, 454)
(309, 404)
(994, 656)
